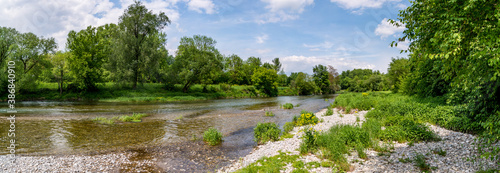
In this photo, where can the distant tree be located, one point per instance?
(141, 44)
(320, 77)
(398, 68)
(7, 41)
(303, 84)
(60, 68)
(31, 56)
(268, 65)
(234, 65)
(283, 79)
(265, 80)
(277, 64)
(334, 78)
(197, 60)
(89, 49)
(250, 65)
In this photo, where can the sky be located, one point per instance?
(346, 34)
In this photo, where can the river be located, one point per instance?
(51, 128)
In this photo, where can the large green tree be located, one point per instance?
(60, 69)
(31, 53)
(398, 69)
(234, 66)
(457, 44)
(265, 80)
(197, 61)
(7, 41)
(320, 77)
(90, 49)
(140, 43)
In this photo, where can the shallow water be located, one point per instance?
(46, 127)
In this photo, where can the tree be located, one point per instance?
(60, 68)
(7, 41)
(31, 55)
(277, 64)
(250, 65)
(265, 80)
(398, 68)
(234, 64)
(454, 52)
(197, 60)
(89, 49)
(141, 42)
(320, 77)
(303, 83)
(334, 78)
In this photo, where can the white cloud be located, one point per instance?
(56, 18)
(297, 63)
(262, 39)
(262, 51)
(198, 5)
(283, 10)
(322, 46)
(385, 29)
(356, 4)
(288, 5)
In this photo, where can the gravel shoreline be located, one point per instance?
(458, 146)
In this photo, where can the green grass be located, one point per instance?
(264, 132)
(212, 136)
(147, 92)
(287, 106)
(329, 111)
(272, 164)
(269, 114)
(126, 118)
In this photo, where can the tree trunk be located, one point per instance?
(61, 83)
(186, 87)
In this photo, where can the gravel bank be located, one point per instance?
(458, 146)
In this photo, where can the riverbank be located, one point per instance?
(453, 153)
(148, 92)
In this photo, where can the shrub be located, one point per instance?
(212, 136)
(308, 142)
(329, 111)
(269, 114)
(288, 127)
(305, 118)
(287, 106)
(264, 132)
(225, 87)
(132, 118)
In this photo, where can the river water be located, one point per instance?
(48, 127)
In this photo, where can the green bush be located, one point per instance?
(264, 132)
(288, 127)
(305, 118)
(329, 111)
(212, 136)
(287, 106)
(132, 118)
(269, 114)
(225, 87)
(308, 141)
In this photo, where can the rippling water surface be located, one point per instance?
(45, 127)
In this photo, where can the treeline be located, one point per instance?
(132, 52)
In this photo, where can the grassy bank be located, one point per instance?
(393, 117)
(148, 92)
(393, 109)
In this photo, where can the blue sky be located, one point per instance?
(346, 34)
